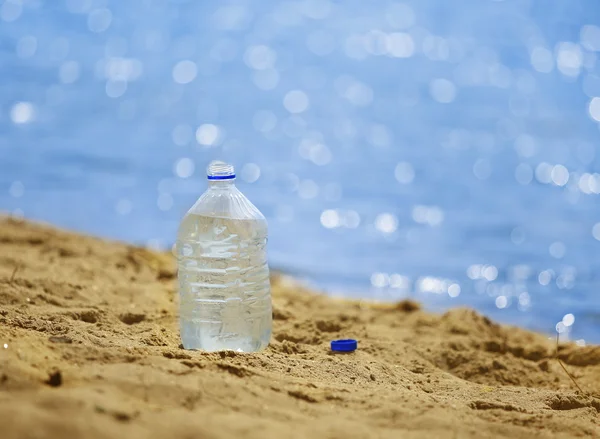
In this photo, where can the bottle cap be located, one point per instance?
(346, 345)
(220, 171)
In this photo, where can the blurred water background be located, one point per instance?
(441, 150)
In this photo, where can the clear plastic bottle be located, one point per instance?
(224, 289)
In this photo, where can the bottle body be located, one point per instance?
(224, 288)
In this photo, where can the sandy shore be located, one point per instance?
(89, 348)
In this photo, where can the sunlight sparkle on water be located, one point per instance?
(250, 172)
(596, 231)
(17, 189)
(330, 219)
(568, 319)
(99, 20)
(386, 223)
(11, 10)
(430, 215)
(559, 175)
(542, 60)
(501, 302)
(123, 206)
(524, 301)
(400, 282)
(296, 101)
(184, 72)
(545, 277)
(400, 45)
(22, 113)
(454, 290)
(380, 280)
(164, 202)
(442, 90)
(594, 108)
(557, 250)
(208, 134)
(184, 167)
(569, 58)
(260, 57)
(523, 174)
(404, 173)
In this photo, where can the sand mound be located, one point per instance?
(89, 347)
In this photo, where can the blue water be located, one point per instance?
(444, 151)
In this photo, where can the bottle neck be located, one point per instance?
(221, 184)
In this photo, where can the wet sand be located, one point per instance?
(89, 348)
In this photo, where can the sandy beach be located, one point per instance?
(89, 348)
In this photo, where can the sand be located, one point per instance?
(89, 348)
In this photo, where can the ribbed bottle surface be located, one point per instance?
(224, 289)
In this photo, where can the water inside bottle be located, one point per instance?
(225, 299)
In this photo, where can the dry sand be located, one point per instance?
(89, 348)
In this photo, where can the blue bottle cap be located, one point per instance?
(346, 345)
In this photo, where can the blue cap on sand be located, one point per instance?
(346, 345)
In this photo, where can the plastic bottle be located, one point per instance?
(224, 289)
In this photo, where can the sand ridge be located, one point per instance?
(93, 351)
